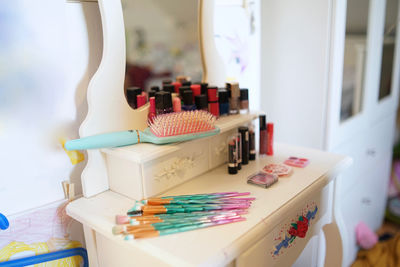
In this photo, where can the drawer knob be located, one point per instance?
(366, 201)
(371, 152)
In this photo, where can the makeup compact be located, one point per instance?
(262, 179)
(297, 162)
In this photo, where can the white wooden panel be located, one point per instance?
(294, 56)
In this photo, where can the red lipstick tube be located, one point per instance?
(270, 130)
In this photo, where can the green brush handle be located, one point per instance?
(113, 139)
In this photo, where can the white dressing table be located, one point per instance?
(248, 243)
(114, 177)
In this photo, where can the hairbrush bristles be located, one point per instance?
(185, 122)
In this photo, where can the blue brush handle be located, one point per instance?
(113, 139)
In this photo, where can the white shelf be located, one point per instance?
(144, 152)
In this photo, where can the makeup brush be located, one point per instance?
(165, 129)
(153, 233)
(147, 210)
(119, 229)
(124, 219)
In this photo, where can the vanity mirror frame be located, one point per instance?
(108, 109)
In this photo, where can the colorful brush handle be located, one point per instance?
(198, 226)
(189, 215)
(183, 229)
(189, 208)
(113, 139)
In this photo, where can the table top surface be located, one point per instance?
(220, 244)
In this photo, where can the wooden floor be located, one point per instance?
(388, 227)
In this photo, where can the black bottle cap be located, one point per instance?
(163, 100)
(244, 94)
(187, 98)
(232, 170)
(167, 100)
(242, 130)
(155, 88)
(131, 94)
(263, 122)
(187, 83)
(223, 96)
(167, 81)
(201, 101)
(169, 88)
(204, 87)
(182, 89)
(152, 93)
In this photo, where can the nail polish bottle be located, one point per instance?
(131, 96)
(188, 100)
(176, 85)
(223, 99)
(163, 103)
(244, 132)
(270, 130)
(196, 89)
(252, 142)
(155, 88)
(171, 89)
(232, 154)
(182, 89)
(182, 78)
(152, 111)
(263, 135)
(244, 101)
(234, 101)
(239, 151)
(152, 93)
(204, 87)
(213, 106)
(176, 104)
(187, 83)
(166, 81)
(201, 102)
(141, 100)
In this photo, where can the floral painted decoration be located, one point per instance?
(298, 229)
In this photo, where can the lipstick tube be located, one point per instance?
(244, 132)
(252, 143)
(270, 130)
(239, 151)
(263, 135)
(232, 154)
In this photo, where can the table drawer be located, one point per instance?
(272, 249)
(175, 168)
(219, 149)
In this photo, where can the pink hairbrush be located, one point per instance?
(165, 129)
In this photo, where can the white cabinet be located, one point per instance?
(330, 78)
